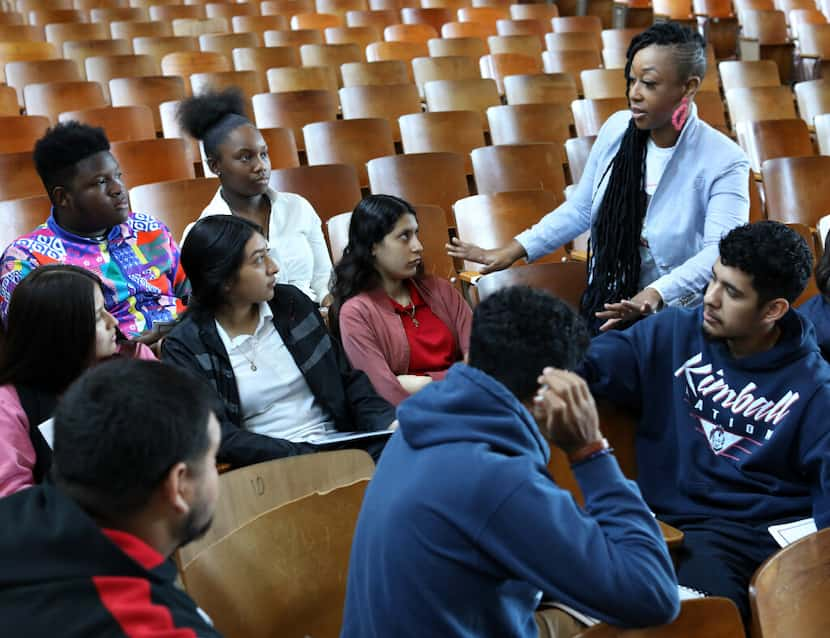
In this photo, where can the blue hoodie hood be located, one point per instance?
(471, 406)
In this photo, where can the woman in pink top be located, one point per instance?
(57, 327)
(402, 328)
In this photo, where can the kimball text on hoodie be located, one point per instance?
(740, 403)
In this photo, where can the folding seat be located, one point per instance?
(537, 88)
(381, 73)
(769, 139)
(20, 132)
(120, 123)
(353, 142)
(148, 161)
(428, 69)
(498, 66)
(293, 110)
(437, 179)
(50, 99)
(293, 38)
(449, 131)
(573, 62)
(147, 91)
(590, 115)
(332, 56)
(603, 83)
(176, 203)
(473, 47)
(102, 69)
(491, 221)
(306, 78)
(387, 101)
(127, 30)
(509, 167)
(797, 189)
(18, 177)
(260, 59)
(21, 74)
(762, 103)
(318, 21)
(158, 47)
(225, 43)
(813, 99)
(748, 75)
(341, 192)
(529, 123)
(462, 95)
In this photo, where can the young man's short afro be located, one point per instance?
(60, 150)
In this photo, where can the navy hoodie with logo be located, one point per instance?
(744, 440)
(63, 575)
(463, 531)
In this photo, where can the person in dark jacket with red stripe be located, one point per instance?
(133, 478)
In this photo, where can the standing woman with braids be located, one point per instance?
(659, 190)
(236, 152)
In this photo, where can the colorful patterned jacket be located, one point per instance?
(138, 262)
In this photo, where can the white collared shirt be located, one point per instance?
(296, 240)
(274, 398)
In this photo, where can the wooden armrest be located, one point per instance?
(469, 277)
(672, 535)
(577, 255)
(223, 467)
(809, 56)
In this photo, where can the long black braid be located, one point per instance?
(614, 247)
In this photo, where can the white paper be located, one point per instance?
(47, 429)
(788, 533)
(336, 437)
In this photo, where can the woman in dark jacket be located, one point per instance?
(285, 385)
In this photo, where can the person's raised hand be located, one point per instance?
(565, 410)
(644, 303)
(493, 259)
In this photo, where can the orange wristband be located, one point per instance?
(588, 450)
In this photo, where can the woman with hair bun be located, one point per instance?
(237, 153)
(659, 190)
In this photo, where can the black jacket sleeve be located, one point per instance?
(239, 447)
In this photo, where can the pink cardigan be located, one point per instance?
(375, 341)
(17, 456)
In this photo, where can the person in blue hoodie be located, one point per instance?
(817, 309)
(734, 397)
(463, 532)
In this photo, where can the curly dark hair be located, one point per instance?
(518, 331)
(373, 218)
(59, 151)
(775, 256)
(614, 249)
(212, 115)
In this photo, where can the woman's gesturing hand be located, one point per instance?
(493, 259)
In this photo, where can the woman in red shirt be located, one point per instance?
(402, 328)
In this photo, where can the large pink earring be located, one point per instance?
(681, 113)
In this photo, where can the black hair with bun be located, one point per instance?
(211, 116)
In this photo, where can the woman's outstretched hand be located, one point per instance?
(645, 302)
(493, 259)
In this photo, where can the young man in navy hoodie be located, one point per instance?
(734, 402)
(134, 469)
(462, 530)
